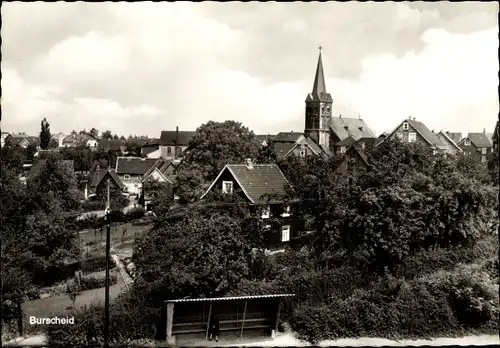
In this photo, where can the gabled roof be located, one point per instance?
(37, 167)
(134, 165)
(450, 140)
(169, 138)
(282, 149)
(478, 139)
(160, 166)
(287, 137)
(111, 144)
(424, 132)
(264, 137)
(99, 174)
(455, 136)
(150, 172)
(360, 153)
(313, 146)
(256, 181)
(345, 127)
(346, 142)
(144, 141)
(370, 143)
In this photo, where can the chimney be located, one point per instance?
(340, 115)
(361, 128)
(484, 130)
(248, 163)
(346, 127)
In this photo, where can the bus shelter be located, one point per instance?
(239, 316)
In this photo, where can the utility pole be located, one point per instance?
(106, 298)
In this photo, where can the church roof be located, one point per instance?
(345, 127)
(282, 148)
(287, 137)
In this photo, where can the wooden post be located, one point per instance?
(170, 320)
(278, 315)
(243, 321)
(209, 317)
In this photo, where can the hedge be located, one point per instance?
(97, 280)
(96, 264)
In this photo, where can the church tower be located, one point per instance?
(319, 109)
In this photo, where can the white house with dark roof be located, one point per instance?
(174, 143)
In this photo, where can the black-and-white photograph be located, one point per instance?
(263, 174)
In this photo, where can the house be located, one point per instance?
(76, 140)
(494, 138)
(152, 145)
(264, 139)
(354, 158)
(111, 145)
(455, 136)
(4, 135)
(22, 139)
(131, 170)
(158, 172)
(252, 182)
(58, 138)
(367, 144)
(291, 143)
(413, 131)
(451, 146)
(174, 143)
(98, 185)
(477, 145)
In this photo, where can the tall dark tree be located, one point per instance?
(94, 132)
(45, 135)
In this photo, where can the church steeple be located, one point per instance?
(318, 108)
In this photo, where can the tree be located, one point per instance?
(107, 135)
(160, 195)
(116, 136)
(83, 132)
(94, 133)
(266, 155)
(214, 145)
(45, 135)
(13, 157)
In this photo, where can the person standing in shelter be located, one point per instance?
(214, 328)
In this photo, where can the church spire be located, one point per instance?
(319, 86)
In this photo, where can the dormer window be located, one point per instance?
(467, 142)
(286, 211)
(266, 212)
(406, 126)
(126, 177)
(227, 187)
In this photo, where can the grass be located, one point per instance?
(61, 305)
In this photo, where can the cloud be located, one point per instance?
(451, 84)
(143, 67)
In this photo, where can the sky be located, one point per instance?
(139, 68)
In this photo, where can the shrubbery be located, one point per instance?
(97, 280)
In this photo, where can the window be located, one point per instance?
(285, 233)
(342, 149)
(467, 142)
(266, 211)
(169, 150)
(328, 110)
(412, 137)
(227, 187)
(362, 145)
(126, 177)
(286, 211)
(302, 153)
(483, 151)
(406, 126)
(483, 159)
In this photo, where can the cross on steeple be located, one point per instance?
(320, 48)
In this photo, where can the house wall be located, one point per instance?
(273, 237)
(405, 136)
(101, 189)
(227, 176)
(450, 148)
(475, 152)
(133, 183)
(168, 152)
(296, 151)
(157, 176)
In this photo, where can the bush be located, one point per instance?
(135, 213)
(96, 264)
(93, 206)
(97, 280)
